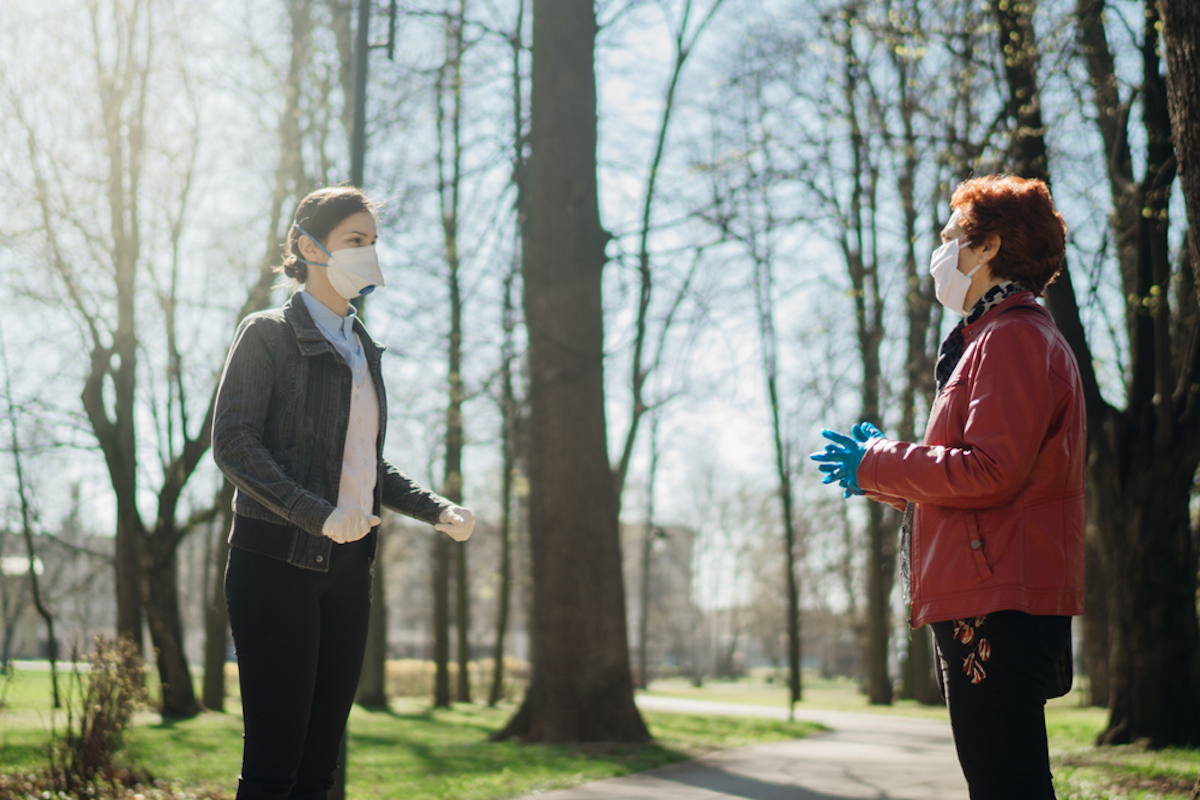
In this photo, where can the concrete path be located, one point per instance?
(861, 756)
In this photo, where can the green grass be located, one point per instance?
(410, 751)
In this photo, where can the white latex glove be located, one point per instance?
(457, 523)
(348, 525)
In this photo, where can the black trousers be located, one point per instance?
(995, 673)
(300, 637)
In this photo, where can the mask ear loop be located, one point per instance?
(318, 244)
(963, 246)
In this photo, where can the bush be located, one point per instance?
(98, 709)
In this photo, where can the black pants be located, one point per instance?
(995, 676)
(300, 637)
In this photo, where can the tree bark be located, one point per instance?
(582, 687)
(1181, 40)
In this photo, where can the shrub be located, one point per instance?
(98, 709)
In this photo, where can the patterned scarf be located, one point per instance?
(949, 354)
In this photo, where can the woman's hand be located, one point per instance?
(839, 460)
(348, 525)
(457, 523)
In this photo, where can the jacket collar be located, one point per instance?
(309, 336)
(1023, 298)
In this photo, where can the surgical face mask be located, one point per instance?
(352, 270)
(949, 284)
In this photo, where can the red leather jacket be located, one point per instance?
(999, 481)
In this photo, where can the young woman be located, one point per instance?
(299, 429)
(993, 498)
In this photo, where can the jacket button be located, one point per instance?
(322, 558)
(975, 545)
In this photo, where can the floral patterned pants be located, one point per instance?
(995, 673)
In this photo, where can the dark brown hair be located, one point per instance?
(1033, 236)
(318, 214)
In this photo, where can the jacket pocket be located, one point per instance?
(978, 545)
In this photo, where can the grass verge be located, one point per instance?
(410, 751)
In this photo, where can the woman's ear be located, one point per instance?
(309, 251)
(990, 247)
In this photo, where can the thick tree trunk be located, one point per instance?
(582, 688)
(1181, 37)
(161, 597)
(1155, 669)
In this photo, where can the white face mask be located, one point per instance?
(352, 270)
(949, 284)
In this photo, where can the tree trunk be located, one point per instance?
(449, 166)
(876, 680)
(372, 683)
(1181, 37)
(462, 623)
(1096, 646)
(441, 620)
(582, 688)
(161, 599)
(216, 617)
(1155, 678)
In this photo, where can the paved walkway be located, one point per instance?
(861, 756)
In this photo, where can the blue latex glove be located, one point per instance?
(840, 459)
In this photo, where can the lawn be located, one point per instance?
(1082, 771)
(409, 751)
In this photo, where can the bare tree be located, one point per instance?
(510, 418)
(145, 557)
(684, 38)
(449, 97)
(27, 528)
(581, 689)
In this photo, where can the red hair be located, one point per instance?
(1033, 236)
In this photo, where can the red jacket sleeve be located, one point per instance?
(1003, 404)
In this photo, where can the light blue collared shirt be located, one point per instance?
(340, 333)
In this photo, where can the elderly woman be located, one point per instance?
(994, 497)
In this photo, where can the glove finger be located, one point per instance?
(373, 520)
(864, 431)
(839, 438)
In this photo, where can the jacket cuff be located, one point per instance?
(309, 513)
(868, 467)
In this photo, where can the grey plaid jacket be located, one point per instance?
(279, 431)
